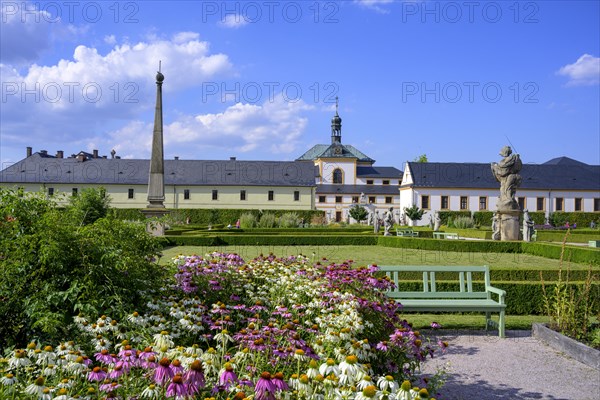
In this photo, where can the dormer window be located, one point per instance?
(338, 176)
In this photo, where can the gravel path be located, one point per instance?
(520, 366)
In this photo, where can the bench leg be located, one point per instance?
(501, 325)
(488, 320)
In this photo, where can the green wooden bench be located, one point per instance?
(466, 299)
(445, 235)
(406, 232)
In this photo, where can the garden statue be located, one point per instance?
(507, 173)
(375, 222)
(527, 226)
(363, 198)
(431, 221)
(402, 219)
(388, 221)
(495, 227)
(370, 218)
(437, 222)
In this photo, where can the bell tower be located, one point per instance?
(336, 125)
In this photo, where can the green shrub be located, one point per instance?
(447, 215)
(289, 220)
(53, 267)
(462, 222)
(248, 221)
(271, 240)
(483, 218)
(582, 219)
(267, 220)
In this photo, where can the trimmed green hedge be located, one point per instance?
(272, 240)
(522, 298)
(558, 236)
(445, 215)
(582, 219)
(205, 216)
(582, 255)
(505, 275)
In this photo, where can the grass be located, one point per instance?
(472, 321)
(364, 255)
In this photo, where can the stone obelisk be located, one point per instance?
(156, 180)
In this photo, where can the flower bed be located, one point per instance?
(225, 329)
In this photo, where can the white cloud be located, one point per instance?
(233, 21)
(110, 39)
(585, 71)
(274, 127)
(374, 5)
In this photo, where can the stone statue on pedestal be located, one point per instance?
(507, 173)
(527, 226)
(437, 221)
(376, 222)
(495, 227)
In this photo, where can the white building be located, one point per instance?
(561, 184)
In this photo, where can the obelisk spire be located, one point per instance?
(156, 181)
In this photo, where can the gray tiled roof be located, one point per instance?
(40, 169)
(378, 172)
(570, 176)
(389, 190)
(328, 151)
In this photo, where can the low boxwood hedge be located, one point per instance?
(271, 240)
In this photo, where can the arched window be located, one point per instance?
(337, 176)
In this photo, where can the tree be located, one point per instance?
(421, 159)
(89, 205)
(358, 212)
(54, 267)
(414, 213)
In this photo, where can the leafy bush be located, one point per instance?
(53, 267)
(358, 212)
(248, 221)
(289, 220)
(267, 220)
(582, 219)
(413, 212)
(89, 205)
(483, 218)
(462, 222)
(445, 216)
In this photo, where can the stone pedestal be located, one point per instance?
(509, 225)
(154, 226)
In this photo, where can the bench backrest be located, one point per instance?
(464, 276)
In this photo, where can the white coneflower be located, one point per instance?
(223, 337)
(370, 392)
(162, 341)
(364, 381)
(37, 387)
(350, 366)
(388, 384)
(19, 359)
(8, 380)
(77, 367)
(50, 370)
(46, 356)
(151, 392)
(329, 367)
(312, 370)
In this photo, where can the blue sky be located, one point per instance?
(455, 80)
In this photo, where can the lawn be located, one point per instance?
(364, 255)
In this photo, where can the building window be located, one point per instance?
(522, 203)
(578, 203)
(338, 199)
(355, 199)
(369, 181)
(186, 194)
(74, 192)
(372, 199)
(215, 194)
(130, 193)
(425, 202)
(242, 195)
(482, 203)
(444, 203)
(388, 199)
(296, 195)
(50, 191)
(322, 199)
(338, 176)
(386, 182)
(464, 203)
(558, 204)
(271, 195)
(596, 204)
(540, 203)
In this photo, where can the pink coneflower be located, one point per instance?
(149, 363)
(279, 383)
(105, 357)
(194, 378)
(176, 388)
(383, 346)
(163, 372)
(97, 374)
(117, 371)
(128, 358)
(109, 387)
(176, 367)
(265, 388)
(435, 325)
(227, 377)
(146, 353)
